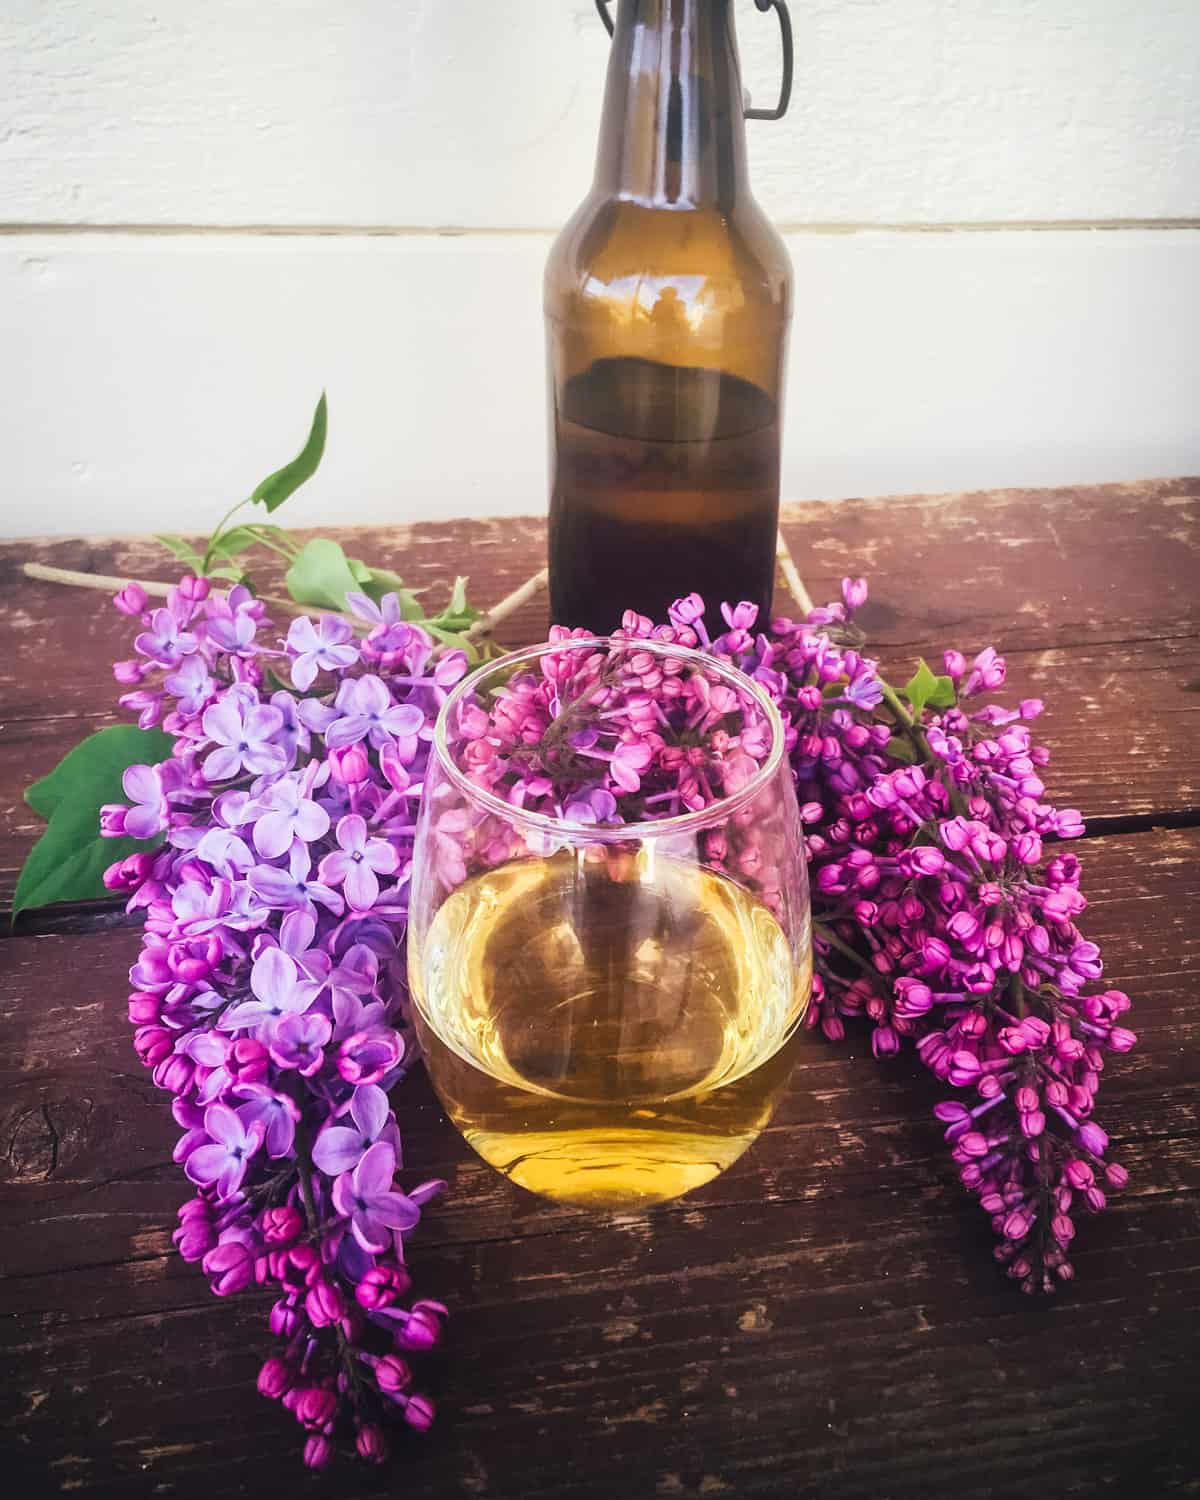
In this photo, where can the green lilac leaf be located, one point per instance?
(321, 575)
(455, 640)
(923, 688)
(179, 547)
(458, 614)
(276, 488)
(68, 861)
(236, 540)
(943, 695)
(900, 748)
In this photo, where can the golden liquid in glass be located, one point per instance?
(612, 1032)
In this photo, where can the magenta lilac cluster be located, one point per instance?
(268, 997)
(946, 912)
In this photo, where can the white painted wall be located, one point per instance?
(963, 318)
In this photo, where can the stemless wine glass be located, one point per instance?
(608, 1009)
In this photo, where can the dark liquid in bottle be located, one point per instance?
(666, 480)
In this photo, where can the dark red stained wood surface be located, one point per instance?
(824, 1320)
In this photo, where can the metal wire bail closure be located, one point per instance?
(785, 31)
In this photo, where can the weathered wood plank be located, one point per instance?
(823, 1320)
(1118, 663)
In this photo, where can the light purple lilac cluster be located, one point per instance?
(941, 914)
(268, 996)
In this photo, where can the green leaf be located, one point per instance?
(275, 489)
(923, 688)
(182, 549)
(458, 614)
(321, 575)
(455, 640)
(235, 541)
(67, 862)
(900, 748)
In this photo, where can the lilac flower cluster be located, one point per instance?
(942, 917)
(268, 996)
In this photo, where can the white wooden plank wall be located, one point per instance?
(209, 212)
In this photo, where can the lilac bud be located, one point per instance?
(144, 1009)
(318, 1452)
(950, 1111)
(315, 1407)
(1115, 1175)
(1095, 1199)
(349, 766)
(1018, 1224)
(194, 1239)
(423, 1328)
(131, 600)
(175, 1073)
(248, 1060)
(371, 1443)
(194, 590)
(284, 1319)
(112, 819)
(419, 1412)
(974, 1143)
(324, 1304)
(884, 1042)
(152, 1044)
(1120, 1039)
(1065, 1272)
(281, 1227)
(1062, 1229)
(393, 1374)
(275, 1378)
(1037, 1032)
(381, 1286)
(854, 593)
(1092, 1138)
(366, 1056)
(1026, 1099)
(231, 1267)
(955, 664)
(1033, 1123)
(1079, 1174)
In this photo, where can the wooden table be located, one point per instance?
(825, 1319)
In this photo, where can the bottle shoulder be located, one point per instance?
(614, 248)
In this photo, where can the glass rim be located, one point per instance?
(612, 833)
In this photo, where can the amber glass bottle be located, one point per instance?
(667, 299)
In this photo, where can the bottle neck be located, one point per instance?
(672, 133)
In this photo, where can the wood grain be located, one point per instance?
(824, 1319)
(1093, 594)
